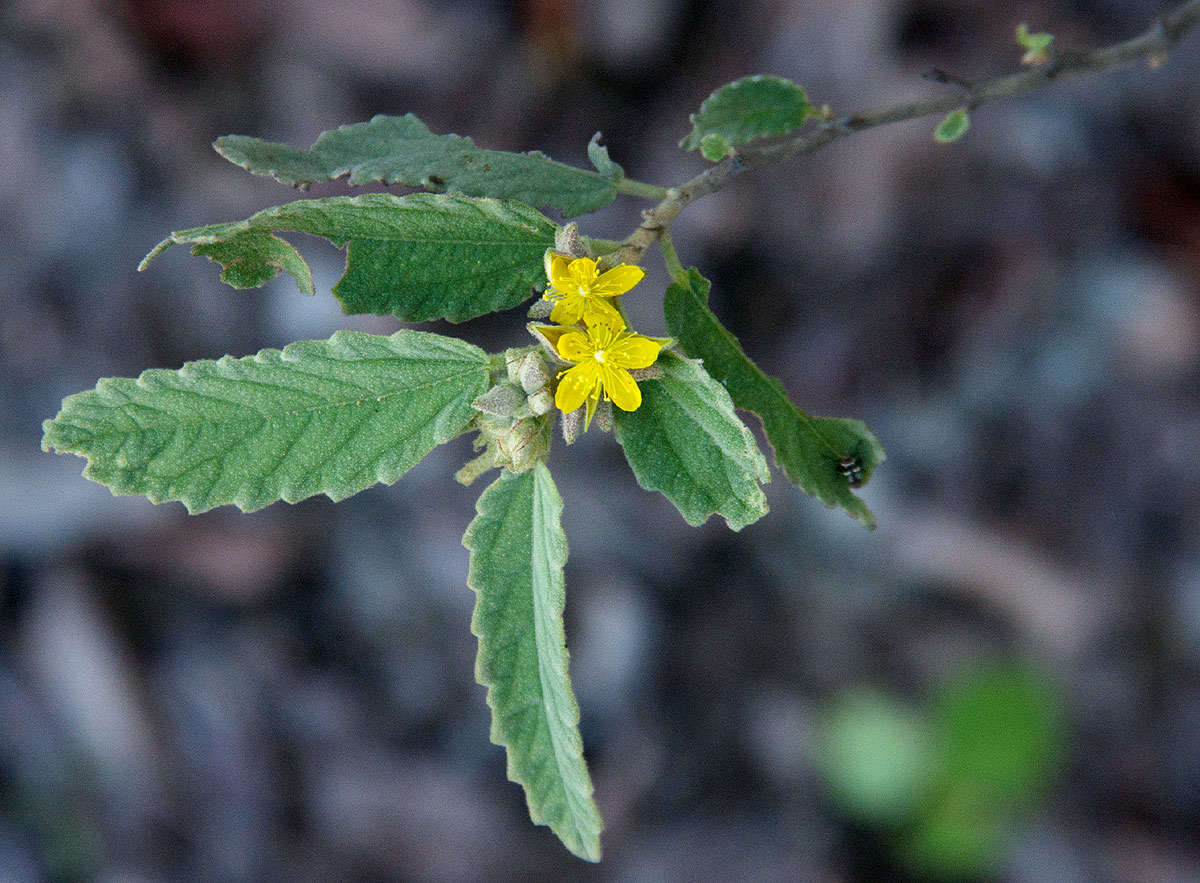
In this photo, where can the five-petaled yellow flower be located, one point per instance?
(603, 354)
(580, 294)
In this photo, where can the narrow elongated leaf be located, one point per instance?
(518, 550)
(809, 450)
(686, 441)
(402, 150)
(418, 257)
(330, 417)
(746, 109)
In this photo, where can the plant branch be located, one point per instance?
(1161, 36)
(641, 188)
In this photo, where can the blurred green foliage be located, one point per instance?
(946, 783)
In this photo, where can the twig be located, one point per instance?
(1164, 33)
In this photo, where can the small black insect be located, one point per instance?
(850, 468)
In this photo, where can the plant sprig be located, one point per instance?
(335, 417)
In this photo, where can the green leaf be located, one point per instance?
(1036, 43)
(254, 258)
(330, 417)
(953, 127)
(518, 550)
(1001, 732)
(750, 108)
(808, 449)
(713, 147)
(417, 257)
(686, 441)
(402, 150)
(958, 836)
(876, 756)
(598, 155)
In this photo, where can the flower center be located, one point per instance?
(599, 355)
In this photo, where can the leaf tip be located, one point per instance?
(155, 252)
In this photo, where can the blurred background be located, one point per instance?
(998, 683)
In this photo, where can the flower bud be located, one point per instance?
(502, 400)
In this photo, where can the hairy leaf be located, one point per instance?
(809, 450)
(598, 156)
(417, 257)
(518, 550)
(953, 126)
(330, 417)
(402, 150)
(686, 441)
(746, 109)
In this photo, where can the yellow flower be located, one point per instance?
(603, 354)
(579, 292)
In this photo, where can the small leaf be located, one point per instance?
(808, 449)
(417, 257)
(876, 756)
(598, 155)
(1033, 42)
(402, 150)
(958, 836)
(518, 550)
(330, 417)
(686, 442)
(713, 147)
(953, 127)
(1001, 732)
(750, 108)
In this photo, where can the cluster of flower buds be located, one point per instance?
(514, 426)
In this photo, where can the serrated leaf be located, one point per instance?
(518, 550)
(417, 257)
(402, 150)
(953, 127)
(750, 108)
(686, 442)
(331, 417)
(807, 449)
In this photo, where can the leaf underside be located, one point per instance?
(417, 257)
(686, 442)
(331, 417)
(747, 109)
(808, 449)
(518, 550)
(402, 150)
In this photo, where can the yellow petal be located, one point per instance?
(618, 280)
(557, 269)
(601, 312)
(568, 310)
(634, 351)
(621, 388)
(602, 334)
(583, 273)
(575, 385)
(576, 347)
